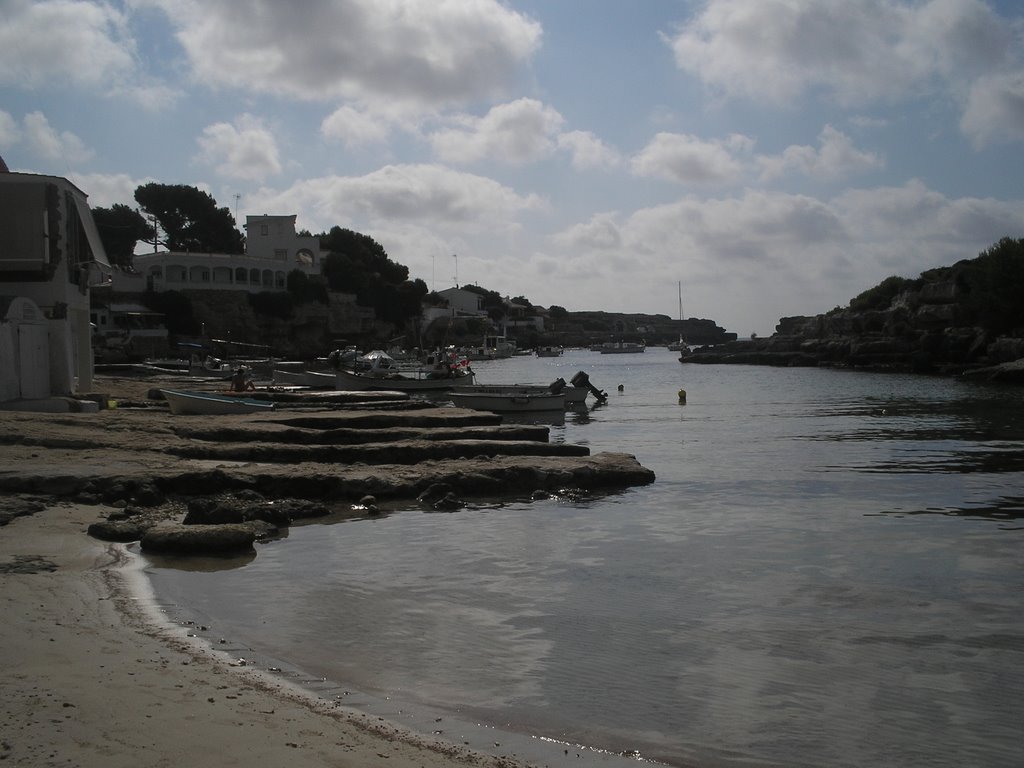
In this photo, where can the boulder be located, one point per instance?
(181, 539)
(119, 530)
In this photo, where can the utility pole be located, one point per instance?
(455, 256)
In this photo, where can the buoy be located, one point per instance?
(682, 396)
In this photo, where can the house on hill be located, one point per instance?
(50, 257)
(272, 249)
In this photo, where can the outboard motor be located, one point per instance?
(556, 386)
(582, 380)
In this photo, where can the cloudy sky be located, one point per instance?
(776, 157)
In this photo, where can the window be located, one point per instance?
(264, 229)
(280, 254)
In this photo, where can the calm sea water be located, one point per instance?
(829, 571)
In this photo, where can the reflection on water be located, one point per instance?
(1004, 508)
(815, 578)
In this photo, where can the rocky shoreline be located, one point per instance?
(215, 485)
(942, 323)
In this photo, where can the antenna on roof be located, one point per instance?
(455, 256)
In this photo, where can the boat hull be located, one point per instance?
(622, 349)
(506, 400)
(346, 380)
(315, 379)
(574, 396)
(184, 403)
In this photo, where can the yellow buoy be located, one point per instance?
(682, 396)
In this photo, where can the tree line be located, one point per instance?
(183, 218)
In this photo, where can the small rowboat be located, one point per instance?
(211, 404)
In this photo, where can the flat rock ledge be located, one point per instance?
(217, 485)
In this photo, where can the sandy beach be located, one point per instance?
(93, 676)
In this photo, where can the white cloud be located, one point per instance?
(588, 151)
(366, 50)
(355, 128)
(764, 254)
(857, 52)
(243, 150)
(995, 109)
(105, 190)
(516, 133)
(601, 233)
(690, 160)
(10, 133)
(65, 40)
(836, 158)
(64, 147)
(415, 194)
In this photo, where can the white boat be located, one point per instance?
(493, 348)
(184, 403)
(315, 379)
(681, 345)
(378, 371)
(621, 347)
(508, 399)
(573, 396)
(404, 381)
(549, 351)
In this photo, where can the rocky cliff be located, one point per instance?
(950, 320)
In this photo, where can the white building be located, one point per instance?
(50, 255)
(273, 249)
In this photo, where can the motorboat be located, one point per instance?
(377, 370)
(404, 381)
(495, 347)
(549, 351)
(573, 396)
(508, 399)
(313, 379)
(189, 403)
(621, 347)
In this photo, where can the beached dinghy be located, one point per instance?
(211, 403)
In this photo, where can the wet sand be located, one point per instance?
(94, 676)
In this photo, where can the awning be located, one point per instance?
(92, 235)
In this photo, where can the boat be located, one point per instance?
(573, 396)
(495, 347)
(187, 403)
(681, 345)
(549, 351)
(378, 371)
(314, 379)
(508, 399)
(621, 347)
(403, 381)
